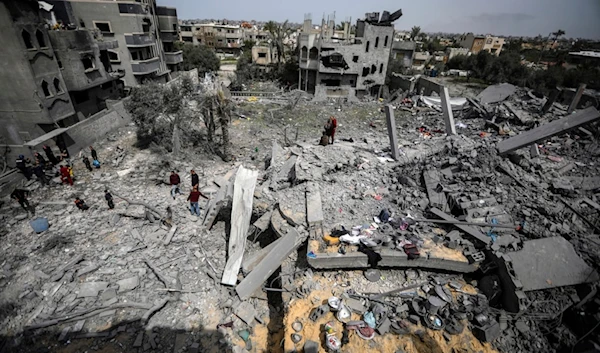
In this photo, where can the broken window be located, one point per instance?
(331, 82)
(313, 54)
(262, 55)
(373, 69)
(367, 47)
(103, 27)
(336, 58)
(376, 42)
(88, 62)
(40, 38)
(146, 25)
(355, 58)
(27, 39)
(45, 89)
(385, 42)
(381, 68)
(365, 71)
(56, 83)
(113, 56)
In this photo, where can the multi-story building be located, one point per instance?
(51, 78)
(477, 43)
(145, 33)
(452, 52)
(189, 33)
(263, 54)
(346, 67)
(404, 52)
(226, 40)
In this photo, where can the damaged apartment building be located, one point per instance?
(346, 66)
(51, 77)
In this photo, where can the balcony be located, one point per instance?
(144, 67)
(174, 57)
(171, 36)
(139, 40)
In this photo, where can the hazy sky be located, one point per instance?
(579, 18)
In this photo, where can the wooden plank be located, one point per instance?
(469, 230)
(243, 195)
(546, 131)
(268, 265)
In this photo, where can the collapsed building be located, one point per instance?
(349, 66)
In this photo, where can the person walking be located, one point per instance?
(193, 199)
(51, 157)
(21, 196)
(65, 175)
(86, 161)
(40, 173)
(175, 181)
(195, 179)
(94, 154)
(109, 199)
(81, 204)
(330, 127)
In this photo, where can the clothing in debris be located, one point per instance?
(81, 204)
(109, 199)
(96, 164)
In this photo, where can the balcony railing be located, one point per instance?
(169, 36)
(144, 67)
(139, 40)
(174, 57)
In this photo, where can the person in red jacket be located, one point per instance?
(65, 175)
(193, 198)
(175, 181)
(330, 127)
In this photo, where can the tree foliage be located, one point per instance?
(414, 32)
(278, 34)
(199, 56)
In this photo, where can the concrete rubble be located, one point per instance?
(437, 243)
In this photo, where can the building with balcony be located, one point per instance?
(144, 31)
(334, 66)
(493, 45)
(477, 43)
(226, 40)
(46, 73)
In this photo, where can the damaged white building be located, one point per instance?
(350, 65)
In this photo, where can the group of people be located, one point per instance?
(80, 203)
(194, 195)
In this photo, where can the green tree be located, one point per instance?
(199, 56)
(414, 32)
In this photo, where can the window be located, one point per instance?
(385, 42)
(40, 38)
(262, 55)
(103, 27)
(27, 39)
(146, 25)
(373, 69)
(381, 68)
(355, 58)
(113, 56)
(56, 83)
(60, 65)
(365, 71)
(88, 62)
(367, 48)
(376, 42)
(336, 58)
(45, 89)
(174, 27)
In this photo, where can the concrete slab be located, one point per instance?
(91, 289)
(391, 128)
(314, 207)
(128, 284)
(550, 263)
(246, 312)
(496, 93)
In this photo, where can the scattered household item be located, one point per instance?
(39, 224)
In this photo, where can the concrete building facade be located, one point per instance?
(404, 52)
(226, 40)
(145, 33)
(45, 72)
(477, 43)
(345, 67)
(452, 52)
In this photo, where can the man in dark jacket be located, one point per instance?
(109, 199)
(94, 154)
(195, 179)
(39, 159)
(175, 181)
(86, 161)
(51, 157)
(22, 164)
(193, 199)
(40, 173)
(21, 197)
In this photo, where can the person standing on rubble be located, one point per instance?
(193, 199)
(65, 175)
(195, 179)
(109, 199)
(23, 165)
(175, 181)
(51, 157)
(86, 161)
(39, 159)
(81, 204)
(40, 173)
(330, 127)
(94, 154)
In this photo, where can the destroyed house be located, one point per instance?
(334, 66)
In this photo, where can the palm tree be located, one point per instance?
(278, 34)
(558, 33)
(414, 32)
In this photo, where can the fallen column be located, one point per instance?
(391, 127)
(576, 99)
(447, 111)
(243, 195)
(546, 131)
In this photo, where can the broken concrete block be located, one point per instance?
(138, 340)
(384, 326)
(128, 284)
(63, 334)
(91, 289)
(246, 312)
(108, 294)
(311, 347)
(355, 305)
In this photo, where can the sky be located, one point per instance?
(578, 18)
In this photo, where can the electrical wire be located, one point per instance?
(584, 336)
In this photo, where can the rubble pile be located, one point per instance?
(454, 246)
